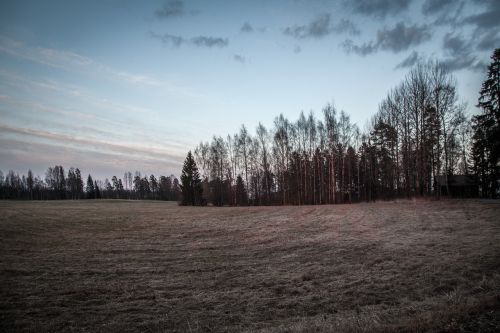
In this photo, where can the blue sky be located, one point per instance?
(111, 86)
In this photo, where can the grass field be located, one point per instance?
(154, 266)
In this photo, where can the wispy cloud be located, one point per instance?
(23, 153)
(458, 52)
(199, 41)
(103, 146)
(487, 19)
(70, 120)
(39, 107)
(168, 38)
(446, 14)
(378, 8)
(409, 61)
(88, 108)
(140, 79)
(239, 58)
(489, 41)
(71, 61)
(402, 36)
(208, 41)
(433, 7)
(49, 57)
(321, 26)
(170, 9)
(246, 27)
(74, 91)
(397, 39)
(454, 45)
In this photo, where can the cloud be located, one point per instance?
(458, 63)
(432, 7)
(83, 94)
(459, 53)
(210, 41)
(200, 41)
(246, 27)
(86, 100)
(51, 57)
(455, 45)
(70, 61)
(321, 26)
(362, 50)
(67, 113)
(20, 154)
(402, 37)
(484, 20)
(297, 49)
(317, 28)
(398, 39)
(448, 13)
(103, 146)
(489, 41)
(378, 8)
(346, 26)
(409, 61)
(169, 9)
(487, 19)
(139, 79)
(239, 58)
(168, 39)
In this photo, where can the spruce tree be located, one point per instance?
(90, 188)
(241, 194)
(30, 183)
(97, 191)
(486, 139)
(79, 183)
(191, 183)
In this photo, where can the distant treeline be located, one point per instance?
(59, 185)
(416, 142)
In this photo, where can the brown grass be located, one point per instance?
(153, 266)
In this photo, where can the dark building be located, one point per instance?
(459, 186)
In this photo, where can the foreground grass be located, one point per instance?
(153, 266)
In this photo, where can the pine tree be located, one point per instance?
(191, 183)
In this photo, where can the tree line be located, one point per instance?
(420, 134)
(58, 185)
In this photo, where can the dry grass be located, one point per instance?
(153, 266)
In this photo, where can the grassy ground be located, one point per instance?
(153, 266)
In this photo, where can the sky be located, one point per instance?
(112, 86)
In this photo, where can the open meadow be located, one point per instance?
(154, 266)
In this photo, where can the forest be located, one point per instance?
(58, 185)
(418, 140)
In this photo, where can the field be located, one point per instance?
(154, 266)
